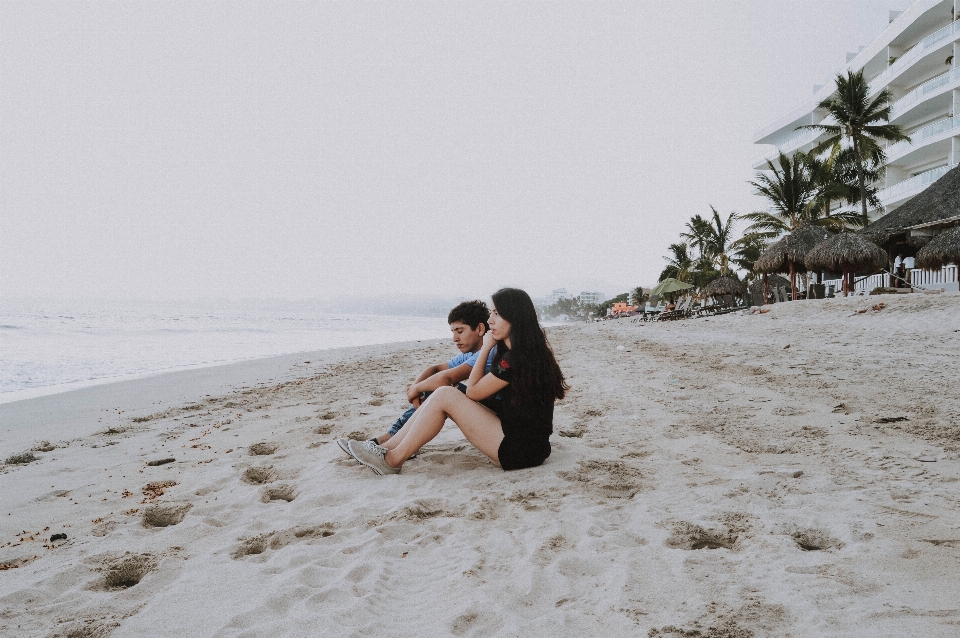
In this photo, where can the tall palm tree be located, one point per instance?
(860, 121)
(697, 234)
(679, 263)
(789, 189)
(719, 240)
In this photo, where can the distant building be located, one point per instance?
(622, 308)
(559, 293)
(593, 298)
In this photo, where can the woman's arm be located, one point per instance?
(486, 387)
(481, 385)
(478, 370)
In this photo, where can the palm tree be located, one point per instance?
(698, 233)
(679, 263)
(789, 189)
(858, 120)
(835, 178)
(719, 236)
(746, 251)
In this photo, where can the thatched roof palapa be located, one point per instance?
(774, 258)
(846, 252)
(724, 286)
(801, 241)
(773, 281)
(942, 250)
(941, 200)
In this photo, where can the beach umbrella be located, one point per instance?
(668, 285)
(797, 244)
(724, 286)
(939, 201)
(772, 260)
(846, 253)
(789, 252)
(942, 250)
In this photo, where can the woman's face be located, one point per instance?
(499, 327)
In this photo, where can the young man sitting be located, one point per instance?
(468, 323)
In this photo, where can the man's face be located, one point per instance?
(466, 338)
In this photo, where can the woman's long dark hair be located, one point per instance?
(537, 376)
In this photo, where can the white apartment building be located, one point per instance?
(595, 298)
(557, 295)
(916, 58)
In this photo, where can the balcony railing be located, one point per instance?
(899, 149)
(911, 98)
(789, 147)
(917, 181)
(914, 54)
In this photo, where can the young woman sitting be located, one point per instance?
(526, 375)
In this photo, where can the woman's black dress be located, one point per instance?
(527, 425)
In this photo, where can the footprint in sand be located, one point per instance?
(165, 514)
(88, 628)
(263, 448)
(259, 475)
(280, 492)
(259, 544)
(613, 479)
(125, 571)
(692, 537)
(811, 540)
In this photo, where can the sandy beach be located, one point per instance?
(795, 473)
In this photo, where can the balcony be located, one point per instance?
(788, 148)
(944, 81)
(912, 186)
(929, 43)
(918, 139)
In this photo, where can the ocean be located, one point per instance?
(48, 347)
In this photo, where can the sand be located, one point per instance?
(795, 473)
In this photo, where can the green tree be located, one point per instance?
(861, 122)
(719, 241)
(570, 307)
(789, 190)
(638, 297)
(747, 250)
(835, 178)
(679, 263)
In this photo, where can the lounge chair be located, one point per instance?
(680, 312)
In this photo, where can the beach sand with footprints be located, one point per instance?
(795, 473)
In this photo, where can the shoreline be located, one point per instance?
(749, 475)
(202, 342)
(87, 406)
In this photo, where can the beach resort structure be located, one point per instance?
(916, 59)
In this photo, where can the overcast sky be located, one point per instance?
(300, 150)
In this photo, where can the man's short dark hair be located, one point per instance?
(471, 313)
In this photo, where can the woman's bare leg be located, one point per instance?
(479, 425)
(396, 439)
